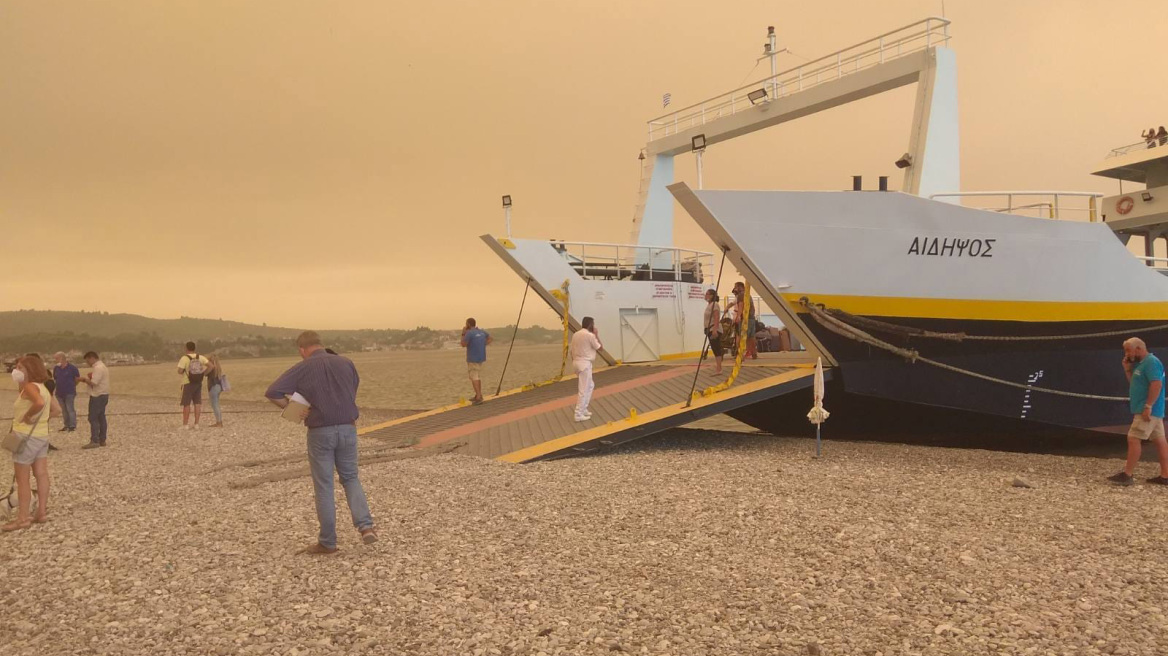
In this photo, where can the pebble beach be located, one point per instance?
(691, 542)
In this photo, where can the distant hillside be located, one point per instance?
(103, 324)
(135, 338)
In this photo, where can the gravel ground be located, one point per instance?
(693, 542)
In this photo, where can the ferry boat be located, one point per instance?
(937, 308)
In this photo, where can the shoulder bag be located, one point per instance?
(13, 441)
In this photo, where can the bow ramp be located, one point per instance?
(629, 402)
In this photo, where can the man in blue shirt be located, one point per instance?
(329, 383)
(65, 376)
(475, 340)
(1145, 374)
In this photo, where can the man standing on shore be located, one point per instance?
(329, 384)
(475, 340)
(65, 376)
(191, 367)
(1145, 375)
(99, 389)
(585, 344)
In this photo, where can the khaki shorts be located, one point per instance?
(474, 369)
(1145, 429)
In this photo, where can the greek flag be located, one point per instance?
(665, 100)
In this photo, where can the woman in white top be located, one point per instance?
(34, 406)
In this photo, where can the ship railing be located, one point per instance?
(1137, 146)
(1073, 205)
(606, 261)
(1160, 264)
(913, 38)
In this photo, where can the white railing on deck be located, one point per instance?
(1139, 145)
(916, 37)
(603, 261)
(1076, 205)
(1160, 264)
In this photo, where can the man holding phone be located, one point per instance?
(475, 340)
(585, 344)
(1145, 375)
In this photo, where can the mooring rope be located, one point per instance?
(561, 295)
(705, 333)
(839, 327)
(514, 333)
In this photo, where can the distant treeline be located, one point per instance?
(152, 346)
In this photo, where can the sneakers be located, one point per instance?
(91, 445)
(369, 536)
(1158, 480)
(1122, 479)
(185, 427)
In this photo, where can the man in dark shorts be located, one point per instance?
(713, 328)
(192, 367)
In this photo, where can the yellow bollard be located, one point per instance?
(632, 414)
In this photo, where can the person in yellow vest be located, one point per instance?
(30, 419)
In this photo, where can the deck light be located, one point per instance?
(904, 162)
(1146, 196)
(507, 213)
(698, 142)
(757, 96)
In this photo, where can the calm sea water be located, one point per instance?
(394, 380)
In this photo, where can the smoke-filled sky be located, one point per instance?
(331, 164)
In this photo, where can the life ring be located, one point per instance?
(1124, 205)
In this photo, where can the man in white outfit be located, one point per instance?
(585, 344)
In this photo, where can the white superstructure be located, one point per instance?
(647, 297)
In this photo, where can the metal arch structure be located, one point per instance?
(916, 53)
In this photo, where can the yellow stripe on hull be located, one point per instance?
(951, 308)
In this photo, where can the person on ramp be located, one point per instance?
(475, 341)
(585, 344)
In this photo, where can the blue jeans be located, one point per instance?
(97, 423)
(332, 447)
(68, 410)
(215, 391)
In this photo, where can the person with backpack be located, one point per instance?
(192, 367)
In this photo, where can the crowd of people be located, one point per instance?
(46, 394)
(327, 383)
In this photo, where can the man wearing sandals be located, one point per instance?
(329, 383)
(1145, 375)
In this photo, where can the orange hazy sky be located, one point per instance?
(331, 164)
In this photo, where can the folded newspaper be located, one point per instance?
(294, 411)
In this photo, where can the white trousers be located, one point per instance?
(584, 385)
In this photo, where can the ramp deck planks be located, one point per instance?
(538, 423)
